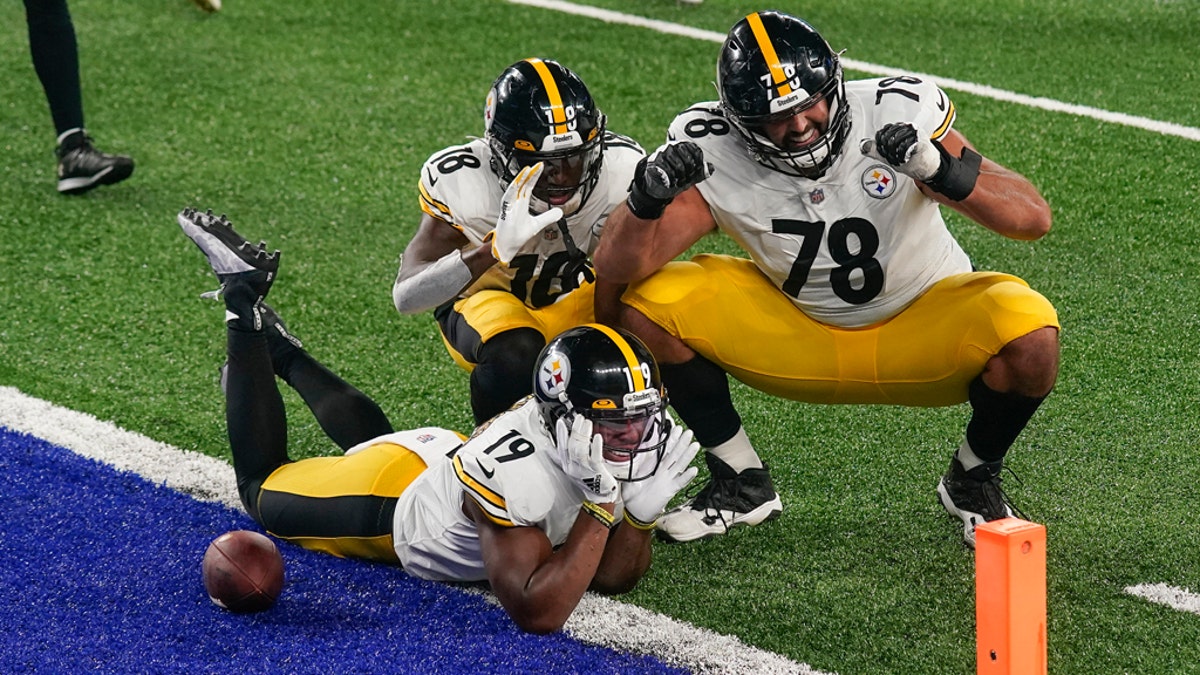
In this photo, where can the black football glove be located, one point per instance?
(662, 176)
(914, 154)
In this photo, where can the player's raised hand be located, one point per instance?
(659, 178)
(581, 456)
(646, 499)
(905, 147)
(912, 153)
(516, 225)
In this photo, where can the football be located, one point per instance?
(243, 571)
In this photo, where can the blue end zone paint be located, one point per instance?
(100, 570)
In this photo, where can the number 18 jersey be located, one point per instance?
(854, 247)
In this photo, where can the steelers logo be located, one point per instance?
(553, 375)
(879, 181)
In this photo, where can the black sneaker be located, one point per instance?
(726, 500)
(974, 496)
(82, 167)
(244, 271)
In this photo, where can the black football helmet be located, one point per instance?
(771, 67)
(538, 111)
(609, 376)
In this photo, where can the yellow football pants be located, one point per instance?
(340, 505)
(491, 312)
(727, 310)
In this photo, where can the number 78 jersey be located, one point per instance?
(854, 247)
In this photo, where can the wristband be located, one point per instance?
(645, 527)
(956, 177)
(607, 519)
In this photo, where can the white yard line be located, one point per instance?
(668, 28)
(1171, 596)
(597, 620)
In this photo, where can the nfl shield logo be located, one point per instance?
(816, 196)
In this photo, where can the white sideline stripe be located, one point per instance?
(609, 16)
(1171, 596)
(203, 477)
(597, 620)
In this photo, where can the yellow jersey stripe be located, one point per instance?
(433, 202)
(946, 123)
(768, 51)
(556, 104)
(492, 504)
(432, 209)
(631, 359)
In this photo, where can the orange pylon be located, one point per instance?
(1010, 598)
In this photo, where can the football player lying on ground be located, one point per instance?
(533, 502)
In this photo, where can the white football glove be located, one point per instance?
(646, 499)
(516, 225)
(906, 148)
(581, 456)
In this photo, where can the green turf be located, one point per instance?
(307, 123)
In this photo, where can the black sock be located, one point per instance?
(254, 413)
(996, 419)
(346, 414)
(699, 391)
(504, 372)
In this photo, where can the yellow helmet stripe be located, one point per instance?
(556, 104)
(631, 359)
(768, 51)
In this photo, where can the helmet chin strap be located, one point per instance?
(578, 269)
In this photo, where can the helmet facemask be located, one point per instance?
(812, 160)
(634, 436)
(569, 176)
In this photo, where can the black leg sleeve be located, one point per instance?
(56, 59)
(996, 419)
(699, 391)
(504, 373)
(254, 414)
(346, 414)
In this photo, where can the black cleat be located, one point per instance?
(973, 496)
(82, 167)
(726, 500)
(244, 271)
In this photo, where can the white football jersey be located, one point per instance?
(458, 186)
(859, 244)
(507, 468)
